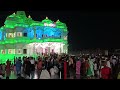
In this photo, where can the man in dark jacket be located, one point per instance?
(27, 67)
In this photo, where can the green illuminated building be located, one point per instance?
(22, 36)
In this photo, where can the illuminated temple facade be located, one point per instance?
(22, 36)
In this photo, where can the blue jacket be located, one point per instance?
(18, 65)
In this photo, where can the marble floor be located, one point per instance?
(13, 75)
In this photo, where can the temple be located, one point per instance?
(22, 36)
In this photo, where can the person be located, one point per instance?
(114, 62)
(90, 70)
(108, 63)
(24, 65)
(52, 73)
(98, 67)
(32, 61)
(39, 67)
(78, 65)
(95, 69)
(56, 70)
(8, 71)
(83, 68)
(65, 69)
(61, 69)
(117, 66)
(105, 72)
(27, 68)
(47, 63)
(87, 68)
(91, 67)
(92, 59)
(18, 66)
(70, 67)
(44, 74)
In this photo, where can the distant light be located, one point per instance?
(29, 16)
(39, 38)
(51, 24)
(46, 17)
(58, 20)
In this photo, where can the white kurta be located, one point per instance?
(45, 74)
(108, 64)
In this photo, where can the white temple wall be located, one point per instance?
(35, 48)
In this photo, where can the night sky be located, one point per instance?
(87, 29)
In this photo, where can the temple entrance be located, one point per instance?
(47, 47)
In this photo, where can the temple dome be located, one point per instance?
(46, 20)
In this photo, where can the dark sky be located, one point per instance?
(87, 29)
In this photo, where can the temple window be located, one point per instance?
(19, 34)
(24, 51)
(3, 51)
(25, 34)
(10, 35)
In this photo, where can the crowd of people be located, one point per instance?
(63, 66)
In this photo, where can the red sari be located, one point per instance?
(8, 68)
(65, 70)
(105, 72)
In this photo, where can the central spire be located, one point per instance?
(21, 13)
